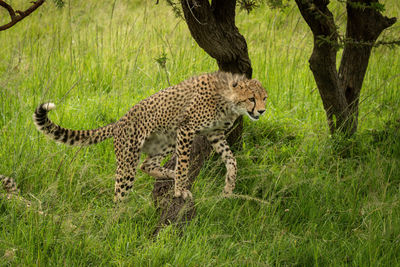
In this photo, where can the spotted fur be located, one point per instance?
(9, 185)
(167, 122)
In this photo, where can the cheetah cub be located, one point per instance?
(167, 122)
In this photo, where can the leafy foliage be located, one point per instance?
(176, 7)
(360, 5)
(59, 3)
(162, 60)
(248, 5)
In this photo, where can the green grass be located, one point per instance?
(303, 198)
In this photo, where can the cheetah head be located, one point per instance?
(249, 98)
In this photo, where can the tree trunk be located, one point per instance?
(213, 27)
(340, 90)
(363, 27)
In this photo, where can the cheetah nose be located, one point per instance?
(261, 111)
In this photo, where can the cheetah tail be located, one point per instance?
(9, 184)
(67, 136)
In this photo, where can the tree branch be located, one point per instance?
(318, 17)
(18, 15)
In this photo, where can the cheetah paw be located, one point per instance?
(183, 193)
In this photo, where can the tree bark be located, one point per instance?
(213, 28)
(363, 27)
(340, 90)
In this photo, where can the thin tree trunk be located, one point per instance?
(363, 28)
(213, 27)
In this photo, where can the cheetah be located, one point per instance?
(167, 122)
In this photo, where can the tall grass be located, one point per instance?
(302, 198)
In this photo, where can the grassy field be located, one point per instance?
(302, 198)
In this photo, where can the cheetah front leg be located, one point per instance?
(218, 142)
(183, 145)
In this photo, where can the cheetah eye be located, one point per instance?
(252, 99)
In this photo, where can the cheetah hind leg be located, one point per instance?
(127, 156)
(152, 164)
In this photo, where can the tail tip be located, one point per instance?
(48, 106)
